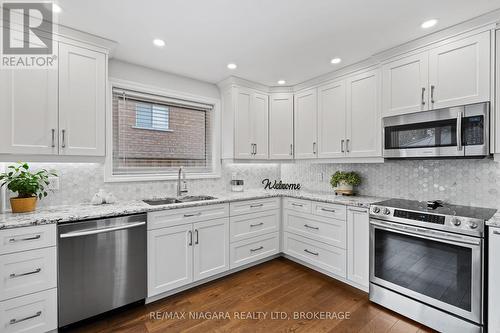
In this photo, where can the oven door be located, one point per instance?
(439, 269)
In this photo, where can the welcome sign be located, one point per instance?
(279, 185)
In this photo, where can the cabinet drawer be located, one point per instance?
(171, 217)
(250, 250)
(298, 205)
(27, 238)
(34, 313)
(253, 206)
(327, 257)
(329, 210)
(27, 272)
(251, 225)
(330, 231)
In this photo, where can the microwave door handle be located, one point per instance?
(459, 131)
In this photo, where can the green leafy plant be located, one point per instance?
(350, 178)
(18, 178)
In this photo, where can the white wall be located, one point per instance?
(130, 72)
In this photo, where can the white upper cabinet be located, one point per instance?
(243, 145)
(281, 126)
(331, 120)
(459, 72)
(260, 127)
(28, 111)
(82, 101)
(405, 85)
(305, 120)
(364, 128)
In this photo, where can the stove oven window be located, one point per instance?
(438, 270)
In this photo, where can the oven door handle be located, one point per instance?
(426, 233)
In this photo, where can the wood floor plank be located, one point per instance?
(277, 286)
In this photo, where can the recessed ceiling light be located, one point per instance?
(231, 66)
(159, 42)
(429, 23)
(56, 8)
(281, 82)
(335, 61)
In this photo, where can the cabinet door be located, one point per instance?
(170, 258)
(28, 111)
(305, 120)
(358, 241)
(459, 72)
(281, 127)
(493, 278)
(211, 247)
(404, 83)
(331, 120)
(243, 124)
(82, 101)
(260, 128)
(364, 128)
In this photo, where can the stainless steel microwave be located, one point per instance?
(461, 131)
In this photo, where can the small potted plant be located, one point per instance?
(29, 186)
(344, 182)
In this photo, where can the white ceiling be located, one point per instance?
(268, 39)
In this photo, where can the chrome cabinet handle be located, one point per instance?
(432, 93)
(347, 145)
(297, 205)
(328, 210)
(459, 131)
(423, 96)
(291, 149)
(190, 238)
(191, 215)
(63, 145)
(15, 321)
(53, 138)
(197, 241)
(257, 224)
(496, 232)
(256, 249)
(314, 148)
(342, 146)
(311, 252)
(15, 275)
(256, 206)
(255, 149)
(14, 240)
(310, 227)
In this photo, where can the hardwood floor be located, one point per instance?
(277, 286)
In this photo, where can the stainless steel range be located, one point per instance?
(426, 262)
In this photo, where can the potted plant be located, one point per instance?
(344, 182)
(29, 186)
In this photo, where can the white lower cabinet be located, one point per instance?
(211, 248)
(330, 258)
(493, 278)
(358, 246)
(253, 249)
(33, 313)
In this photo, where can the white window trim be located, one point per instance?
(216, 142)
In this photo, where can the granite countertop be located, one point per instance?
(494, 221)
(61, 214)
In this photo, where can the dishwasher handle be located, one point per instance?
(101, 230)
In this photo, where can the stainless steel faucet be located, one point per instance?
(181, 188)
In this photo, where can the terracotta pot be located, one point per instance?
(23, 205)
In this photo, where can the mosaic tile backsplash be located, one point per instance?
(80, 181)
(463, 182)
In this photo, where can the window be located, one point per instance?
(151, 116)
(154, 135)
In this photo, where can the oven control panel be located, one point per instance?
(423, 217)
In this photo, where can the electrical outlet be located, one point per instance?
(53, 183)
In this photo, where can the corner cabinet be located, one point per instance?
(332, 120)
(454, 73)
(305, 120)
(55, 111)
(281, 126)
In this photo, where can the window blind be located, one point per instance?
(155, 134)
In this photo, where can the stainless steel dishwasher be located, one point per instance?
(102, 266)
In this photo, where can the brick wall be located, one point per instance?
(185, 143)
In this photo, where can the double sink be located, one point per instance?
(188, 198)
